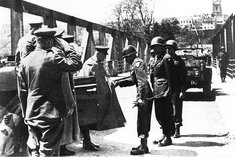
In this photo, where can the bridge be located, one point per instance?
(94, 34)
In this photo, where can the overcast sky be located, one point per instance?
(99, 11)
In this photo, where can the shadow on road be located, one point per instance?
(174, 152)
(219, 92)
(200, 96)
(199, 144)
(205, 135)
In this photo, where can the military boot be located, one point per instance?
(177, 132)
(166, 141)
(159, 140)
(142, 149)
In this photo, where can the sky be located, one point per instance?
(100, 11)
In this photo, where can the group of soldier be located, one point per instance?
(167, 77)
(46, 61)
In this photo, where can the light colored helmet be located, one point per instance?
(157, 41)
(128, 50)
(172, 43)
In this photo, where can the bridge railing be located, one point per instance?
(226, 37)
(115, 39)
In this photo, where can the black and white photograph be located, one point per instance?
(117, 78)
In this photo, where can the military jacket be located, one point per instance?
(40, 87)
(25, 45)
(223, 59)
(179, 74)
(139, 77)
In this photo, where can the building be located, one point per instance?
(203, 21)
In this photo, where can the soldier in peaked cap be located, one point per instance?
(71, 123)
(139, 78)
(41, 93)
(104, 112)
(26, 44)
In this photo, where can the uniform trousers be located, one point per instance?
(177, 108)
(223, 71)
(164, 115)
(144, 118)
(44, 136)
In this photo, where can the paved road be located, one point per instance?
(204, 132)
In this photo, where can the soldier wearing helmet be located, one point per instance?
(161, 79)
(139, 78)
(157, 50)
(178, 87)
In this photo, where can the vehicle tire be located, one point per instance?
(207, 88)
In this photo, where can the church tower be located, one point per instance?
(217, 9)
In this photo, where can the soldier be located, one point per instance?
(139, 78)
(103, 111)
(179, 85)
(223, 60)
(162, 86)
(41, 94)
(26, 44)
(71, 124)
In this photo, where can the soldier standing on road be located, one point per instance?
(139, 78)
(162, 89)
(71, 123)
(25, 45)
(41, 94)
(179, 84)
(223, 60)
(102, 112)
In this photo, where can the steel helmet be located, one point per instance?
(128, 50)
(172, 43)
(157, 41)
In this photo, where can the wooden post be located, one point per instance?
(90, 46)
(102, 37)
(16, 24)
(71, 28)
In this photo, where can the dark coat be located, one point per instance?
(40, 88)
(103, 108)
(223, 60)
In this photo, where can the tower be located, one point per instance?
(217, 9)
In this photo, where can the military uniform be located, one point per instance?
(139, 78)
(27, 43)
(101, 111)
(223, 60)
(179, 85)
(104, 111)
(71, 123)
(41, 95)
(162, 90)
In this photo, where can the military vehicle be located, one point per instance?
(199, 71)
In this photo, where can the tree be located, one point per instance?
(133, 17)
(168, 29)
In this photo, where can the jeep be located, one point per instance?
(199, 71)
